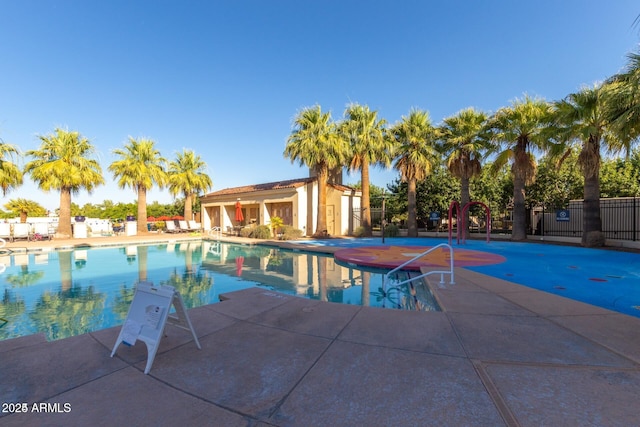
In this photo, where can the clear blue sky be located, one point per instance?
(226, 78)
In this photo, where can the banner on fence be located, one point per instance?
(562, 215)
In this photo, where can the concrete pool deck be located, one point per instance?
(499, 354)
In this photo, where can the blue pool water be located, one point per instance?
(66, 293)
(602, 277)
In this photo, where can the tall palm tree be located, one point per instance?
(10, 174)
(415, 139)
(140, 167)
(63, 163)
(369, 146)
(465, 141)
(187, 176)
(584, 117)
(316, 143)
(520, 129)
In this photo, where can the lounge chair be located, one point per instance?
(40, 231)
(5, 231)
(184, 227)
(171, 227)
(195, 226)
(21, 230)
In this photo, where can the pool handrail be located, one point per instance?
(216, 232)
(441, 272)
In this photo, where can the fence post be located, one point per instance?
(634, 218)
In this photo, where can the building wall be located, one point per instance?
(300, 209)
(349, 203)
(220, 211)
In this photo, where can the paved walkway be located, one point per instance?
(499, 354)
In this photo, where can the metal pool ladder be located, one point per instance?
(216, 232)
(389, 281)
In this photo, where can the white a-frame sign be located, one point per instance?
(149, 314)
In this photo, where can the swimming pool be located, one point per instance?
(70, 292)
(602, 277)
(66, 293)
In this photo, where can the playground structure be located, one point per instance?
(461, 220)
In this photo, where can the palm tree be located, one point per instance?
(584, 117)
(416, 151)
(520, 128)
(316, 143)
(62, 163)
(187, 176)
(465, 141)
(624, 108)
(369, 146)
(140, 167)
(24, 207)
(10, 173)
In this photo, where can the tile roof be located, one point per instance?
(278, 185)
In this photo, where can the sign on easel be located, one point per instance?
(149, 314)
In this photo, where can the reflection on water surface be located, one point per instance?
(66, 293)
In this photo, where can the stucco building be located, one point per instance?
(295, 201)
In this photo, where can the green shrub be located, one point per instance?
(359, 232)
(391, 230)
(261, 232)
(288, 232)
(276, 223)
(246, 231)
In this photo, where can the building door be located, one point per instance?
(331, 220)
(214, 214)
(284, 211)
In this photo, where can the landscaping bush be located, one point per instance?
(359, 232)
(289, 232)
(246, 232)
(261, 232)
(391, 230)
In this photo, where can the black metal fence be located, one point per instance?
(620, 220)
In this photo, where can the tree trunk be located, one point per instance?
(366, 285)
(188, 260)
(64, 216)
(188, 214)
(64, 263)
(142, 210)
(366, 201)
(592, 223)
(321, 223)
(464, 200)
(519, 230)
(322, 278)
(412, 222)
(143, 252)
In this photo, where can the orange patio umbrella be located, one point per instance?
(239, 215)
(239, 263)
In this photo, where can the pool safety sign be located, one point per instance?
(148, 315)
(562, 215)
(434, 216)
